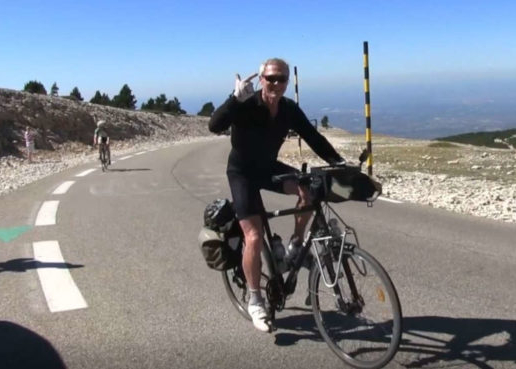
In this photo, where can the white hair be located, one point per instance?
(276, 61)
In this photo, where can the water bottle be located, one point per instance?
(292, 250)
(278, 250)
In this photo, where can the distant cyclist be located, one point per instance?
(101, 137)
(260, 122)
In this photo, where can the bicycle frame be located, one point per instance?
(318, 223)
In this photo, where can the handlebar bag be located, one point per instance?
(343, 184)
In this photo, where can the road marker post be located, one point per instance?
(368, 111)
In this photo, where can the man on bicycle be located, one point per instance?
(260, 122)
(101, 138)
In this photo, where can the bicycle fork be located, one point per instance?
(325, 254)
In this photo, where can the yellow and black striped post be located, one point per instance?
(368, 111)
(297, 102)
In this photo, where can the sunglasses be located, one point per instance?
(273, 78)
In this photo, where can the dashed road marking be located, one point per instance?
(47, 213)
(390, 200)
(63, 188)
(85, 173)
(126, 157)
(58, 286)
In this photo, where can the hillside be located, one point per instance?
(497, 139)
(59, 121)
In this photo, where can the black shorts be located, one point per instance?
(245, 188)
(103, 140)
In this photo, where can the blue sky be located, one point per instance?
(192, 49)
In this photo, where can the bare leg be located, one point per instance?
(251, 263)
(300, 220)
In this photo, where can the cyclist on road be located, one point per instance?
(260, 122)
(101, 137)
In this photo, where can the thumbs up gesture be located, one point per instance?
(244, 89)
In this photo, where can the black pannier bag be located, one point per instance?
(342, 184)
(220, 239)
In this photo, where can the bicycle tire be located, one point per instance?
(103, 160)
(357, 338)
(236, 288)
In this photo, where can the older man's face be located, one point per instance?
(274, 81)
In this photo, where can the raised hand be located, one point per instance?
(244, 89)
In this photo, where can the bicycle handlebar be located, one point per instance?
(306, 178)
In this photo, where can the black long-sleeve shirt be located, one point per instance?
(256, 137)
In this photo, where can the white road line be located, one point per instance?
(63, 188)
(85, 173)
(58, 286)
(47, 213)
(390, 200)
(126, 157)
(139, 153)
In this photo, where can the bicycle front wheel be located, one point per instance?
(359, 317)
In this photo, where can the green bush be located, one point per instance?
(207, 110)
(35, 87)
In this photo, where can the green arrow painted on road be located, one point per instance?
(9, 234)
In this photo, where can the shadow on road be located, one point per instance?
(431, 340)
(302, 327)
(22, 348)
(24, 264)
(128, 170)
(471, 341)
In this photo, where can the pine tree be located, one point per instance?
(161, 101)
(35, 87)
(125, 99)
(54, 90)
(76, 94)
(101, 99)
(97, 98)
(105, 100)
(207, 110)
(174, 107)
(151, 105)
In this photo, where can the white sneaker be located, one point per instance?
(259, 317)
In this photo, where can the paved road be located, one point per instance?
(128, 242)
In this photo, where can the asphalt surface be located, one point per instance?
(129, 240)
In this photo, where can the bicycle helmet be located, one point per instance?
(100, 122)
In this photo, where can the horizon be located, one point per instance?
(421, 56)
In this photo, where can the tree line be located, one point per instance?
(126, 100)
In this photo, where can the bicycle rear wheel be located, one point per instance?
(103, 160)
(362, 330)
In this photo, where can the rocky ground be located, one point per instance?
(460, 178)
